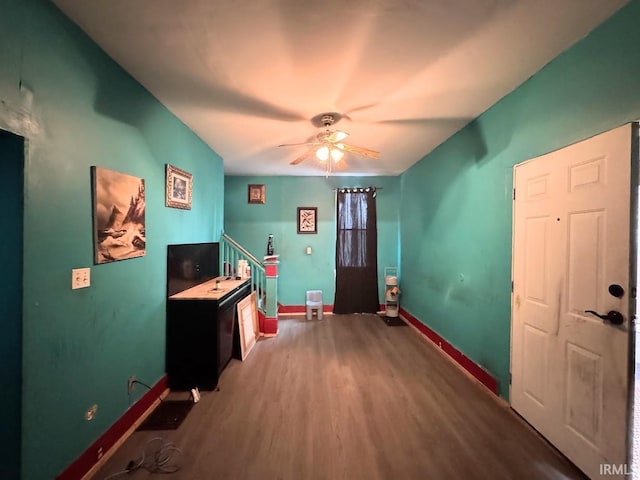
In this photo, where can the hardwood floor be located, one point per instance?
(348, 397)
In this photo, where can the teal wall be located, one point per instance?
(11, 193)
(76, 109)
(250, 224)
(456, 202)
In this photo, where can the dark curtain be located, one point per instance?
(356, 252)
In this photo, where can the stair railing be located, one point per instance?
(230, 252)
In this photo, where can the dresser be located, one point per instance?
(201, 323)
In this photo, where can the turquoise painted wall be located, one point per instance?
(456, 202)
(250, 224)
(77, 109)
(11, 193)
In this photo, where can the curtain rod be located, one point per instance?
(357, 188)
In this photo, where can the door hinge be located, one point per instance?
(514, 193)
(509, 378)
(511, 286)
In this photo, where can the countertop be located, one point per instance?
(210, 290)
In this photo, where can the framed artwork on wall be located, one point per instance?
(118, 216)
(256, 193)
(307, 219)
(179, 188)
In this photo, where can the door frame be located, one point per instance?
(16, 325)
(634, 211)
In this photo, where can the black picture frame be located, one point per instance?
(256, 193)
(307, 220)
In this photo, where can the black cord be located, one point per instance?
(148, 387)
(141, 383)
(158, 461)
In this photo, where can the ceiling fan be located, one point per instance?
(328, 145)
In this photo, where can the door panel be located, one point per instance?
(535, 364)
(570, 242)
(583, 403)
(585, 243)
(536, 243)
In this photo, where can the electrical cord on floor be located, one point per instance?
(196, 400)
(158, 461)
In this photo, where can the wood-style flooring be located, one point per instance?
(349, 397)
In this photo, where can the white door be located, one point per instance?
(571, 246)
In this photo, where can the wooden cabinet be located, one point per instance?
(200, 333)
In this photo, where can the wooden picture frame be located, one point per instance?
(248, 323)
(256, 193)
(308, 220)
(179, 187)
(118, 204)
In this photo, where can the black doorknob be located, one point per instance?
(613, 317)
(616, 290)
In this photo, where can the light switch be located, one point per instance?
(308, 250)
(80, 278)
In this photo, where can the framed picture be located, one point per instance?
(307, 220)
(118, 216)
(256, 193)
(248, 324)
(179, 188)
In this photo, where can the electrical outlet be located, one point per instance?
(131, 384)
(80, 278)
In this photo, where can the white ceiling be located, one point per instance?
(248, 75)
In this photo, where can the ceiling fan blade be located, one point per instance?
(302, 158)
(357, 109)
(337, 136)
(218, 96)
(365, 152)
(428, 122)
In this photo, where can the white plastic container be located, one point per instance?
(391, 292)
(243, 271)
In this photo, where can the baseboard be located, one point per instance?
(475, 370)
(88, 463)
(295, 309)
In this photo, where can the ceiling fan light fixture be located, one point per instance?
(327, 145)
(336, 154)
(323, 153)
(339, 135)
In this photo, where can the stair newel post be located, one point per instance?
(269, 324)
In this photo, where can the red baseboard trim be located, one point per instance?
(85, 462)
(456, 355)
(270, 326)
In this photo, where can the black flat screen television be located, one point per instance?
(190, 264)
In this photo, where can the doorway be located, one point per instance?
(11, 200)
(573, 290)
(356, 252)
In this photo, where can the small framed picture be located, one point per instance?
(307, 219)
(179, 187)
(256, 193)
